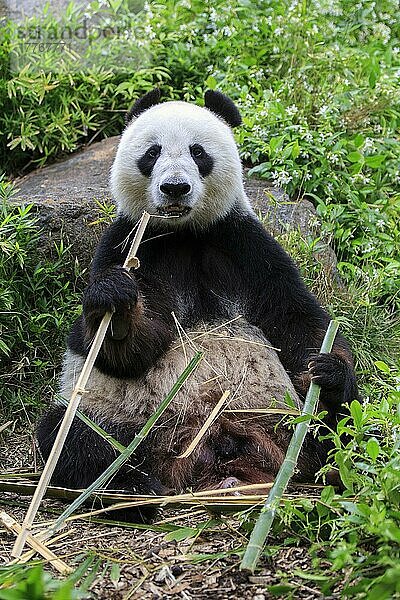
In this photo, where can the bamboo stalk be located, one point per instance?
(124, 456)
(267, 515)
(112, 497)
(5, 425)
(41, 537)
(210, 420)
(73, 404)
(12, 525)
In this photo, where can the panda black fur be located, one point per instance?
(231, 287)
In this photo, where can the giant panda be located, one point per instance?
(211, 279)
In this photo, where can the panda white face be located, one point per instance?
(180, 161)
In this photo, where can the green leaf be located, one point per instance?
(327, 494)
(375, 161)
(295, 149)
(115, 573)
(382, 366)
(280, 589)
(359, 140)
(356, 413)
(355, 157)
(373, 449)
(183, 533)
(211, 82)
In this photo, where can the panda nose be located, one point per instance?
(175, 189)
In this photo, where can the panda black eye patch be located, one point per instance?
(148, 160)
(203, 160)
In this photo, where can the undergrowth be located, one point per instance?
(38, 300)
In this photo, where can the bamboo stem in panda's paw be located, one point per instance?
(79, 389)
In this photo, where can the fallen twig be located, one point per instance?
(210, 420)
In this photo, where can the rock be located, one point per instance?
(67, 195)
(17, 10)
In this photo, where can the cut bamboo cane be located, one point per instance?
(267, 515)
(73, 403)
(12, 525)
(41, 537)
(213, 415)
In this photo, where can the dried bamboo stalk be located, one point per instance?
(267, 515)
(210, 420)
(43, 536)
(74, 403)
(11, 524)
(5, 425)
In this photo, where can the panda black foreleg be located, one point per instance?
(86, 455)
(140, 331)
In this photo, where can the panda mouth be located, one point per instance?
(173, 210)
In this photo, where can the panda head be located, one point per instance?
(179, 160)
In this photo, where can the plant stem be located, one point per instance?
(267, 515)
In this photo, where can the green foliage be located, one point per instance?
(23, 582)
(37, 301)
(354, 537)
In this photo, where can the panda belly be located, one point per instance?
(243, 442)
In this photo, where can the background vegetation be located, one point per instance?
(318, 84)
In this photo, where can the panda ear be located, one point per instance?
(147, 101)
(222, 106)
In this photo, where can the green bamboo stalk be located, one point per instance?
(102, 480)
(102, 433)
(267, 515)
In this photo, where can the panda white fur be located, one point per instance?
(210, 279)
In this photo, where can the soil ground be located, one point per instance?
(149, 565)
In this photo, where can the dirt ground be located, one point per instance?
(141, 563)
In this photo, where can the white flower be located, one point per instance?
(324, 110)
(227, 31)
(149, 32)
(380, 224)
(368, 144)
(308, 136)
(281, 177)
(382, 31)
(292, 110)
(333, 158)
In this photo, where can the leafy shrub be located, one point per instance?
(37, 303)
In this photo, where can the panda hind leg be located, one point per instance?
(86, 455)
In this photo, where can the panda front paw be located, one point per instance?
(328, 371)
(115, 291)
(336, 378)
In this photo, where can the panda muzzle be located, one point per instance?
(176, 194)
